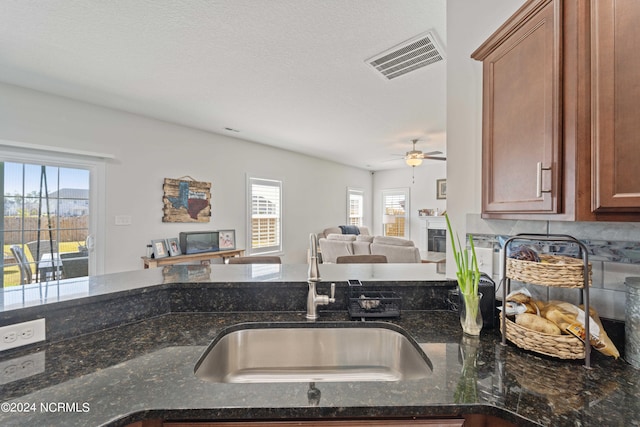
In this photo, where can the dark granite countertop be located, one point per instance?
(39, 295)
(144, 370)
(124, 352)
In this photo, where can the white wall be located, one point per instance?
(147, 151)
(469, 24)
(422, 192)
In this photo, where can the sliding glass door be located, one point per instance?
(46, 217)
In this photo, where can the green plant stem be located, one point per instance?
(467, 388)
(468, 273)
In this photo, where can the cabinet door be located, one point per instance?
(522, 114)
(615, 112)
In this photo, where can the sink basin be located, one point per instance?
(313, 352)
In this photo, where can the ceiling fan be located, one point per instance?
(415, 157)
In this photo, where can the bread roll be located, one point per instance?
(570, 319)
(537, 323)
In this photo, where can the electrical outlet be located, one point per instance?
(21, 367)
(485, 260)
(21, 334)
(9, 336)
(27, 333)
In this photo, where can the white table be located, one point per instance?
(49, 268)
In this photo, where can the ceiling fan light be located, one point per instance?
(414, 161)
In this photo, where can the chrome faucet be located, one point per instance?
(314, 271)
(313, 299)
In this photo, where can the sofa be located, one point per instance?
(396, 249)
(345, 229)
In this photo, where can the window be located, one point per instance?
(395, 205)
(75, 214)
(265, 216)
(46, 217)
(355, 206)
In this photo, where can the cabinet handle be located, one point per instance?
(539, 170)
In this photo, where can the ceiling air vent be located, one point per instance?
(409, 56)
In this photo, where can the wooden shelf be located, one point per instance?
(203, 257)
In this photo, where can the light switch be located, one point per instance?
(123, 219)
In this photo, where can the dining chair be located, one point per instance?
(361, 259)
(74, 264)
(26, 276)
(255, 260)
(46, 247)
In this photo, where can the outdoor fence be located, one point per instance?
(63, 229)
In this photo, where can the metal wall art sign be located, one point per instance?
(186, 200)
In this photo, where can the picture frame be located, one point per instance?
(186, 200)
(159, 248)
(173, 246)
(441, 189)
(227, 240)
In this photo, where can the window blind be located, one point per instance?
(265, 217)
(395, 205)
(355, 207)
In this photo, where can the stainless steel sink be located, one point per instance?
(313, 352)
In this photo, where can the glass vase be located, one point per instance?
(470, 313)
(467, 388)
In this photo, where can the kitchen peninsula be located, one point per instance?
(122, 349)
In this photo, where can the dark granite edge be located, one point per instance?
(40, 309)
(335, 413)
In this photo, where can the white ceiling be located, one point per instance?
(287, 73)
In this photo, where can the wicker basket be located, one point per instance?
(552, 270)
(560, 346)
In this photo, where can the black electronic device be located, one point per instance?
(194, 242)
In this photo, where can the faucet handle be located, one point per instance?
(333, 293)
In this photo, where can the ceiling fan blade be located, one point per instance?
(430, 153)
(434, 158)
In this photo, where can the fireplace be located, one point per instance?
(436, 240)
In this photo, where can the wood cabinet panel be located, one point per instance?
(521, 114)
(615, 115)
(567, 100)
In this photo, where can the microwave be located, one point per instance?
(194, 242)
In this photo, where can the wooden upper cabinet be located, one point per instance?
(560, 88)
(522, 120)
(616, 114)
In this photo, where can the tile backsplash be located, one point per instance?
(614, 254)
